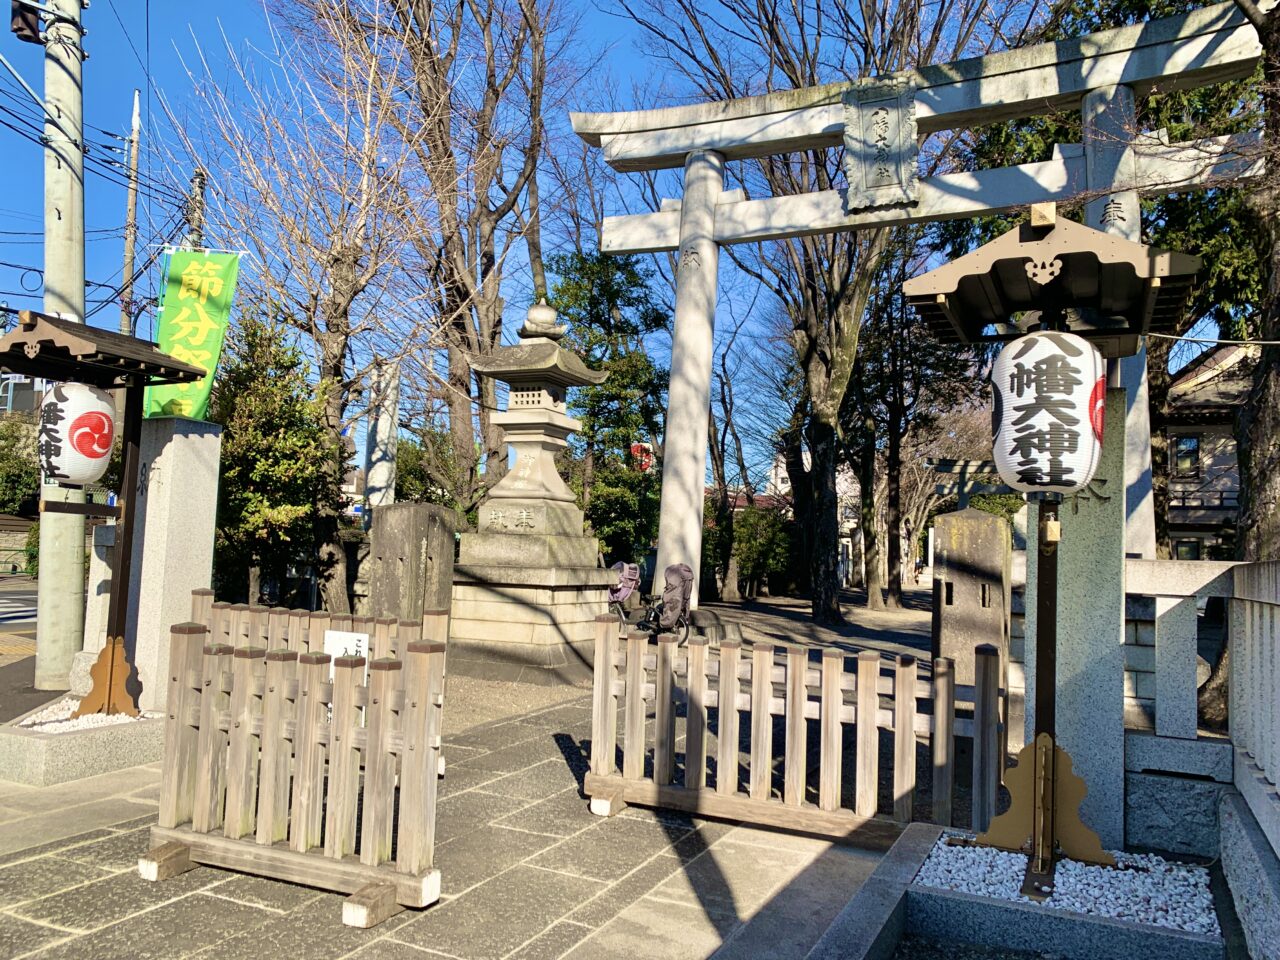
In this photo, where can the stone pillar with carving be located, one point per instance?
(527, 588)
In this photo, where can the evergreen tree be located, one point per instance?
(19, 471)
(280, 468)
(610, 310)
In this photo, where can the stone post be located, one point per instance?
(97, 604)
(684, 463)
(1090, 650)
(173, 541)
(1110, 125)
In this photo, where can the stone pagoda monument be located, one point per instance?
(527, 588)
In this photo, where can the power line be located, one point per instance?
(1242, 343)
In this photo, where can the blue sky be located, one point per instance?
(123, 35)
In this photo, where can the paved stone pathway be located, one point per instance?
(527, 871)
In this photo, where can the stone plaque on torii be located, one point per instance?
(1100, 74)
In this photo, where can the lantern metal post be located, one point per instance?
(1039, 876)
(110, 691)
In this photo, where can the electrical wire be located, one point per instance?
(1243, 343)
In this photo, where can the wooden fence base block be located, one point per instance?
(370, 905)
(607, 803)
(165, 861)
(440, 768)
(843, 826)
(311, 869)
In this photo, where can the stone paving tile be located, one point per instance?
(537, 782)
(313, 932)
(488, 739)
(553, 943)
(63, 796)
(172, 930)
(58, 824)
(568, 715)
(457, 779)
(655, 931)
(516, 756)
(263, 892)
(147, 821)
(616, 898)
(19, 936)
(54, 846)
(499, 915)
(798, 914)
(33, 879)
(118, 852)
(484, 853)
(463, 812)
(561, 815)
(733, 880)
(609, 850)
(394, 950)
(104, 902)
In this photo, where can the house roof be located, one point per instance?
(1214, 385)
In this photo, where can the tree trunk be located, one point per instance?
(333, 556)
(824, 524)
(870, 542)
(730, 593)
(893, 503)
(461, 430)
(255, 584)
(801, 495)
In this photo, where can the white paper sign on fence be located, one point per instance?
(345, 643)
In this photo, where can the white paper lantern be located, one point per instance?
(1048, 389)
(77, 424)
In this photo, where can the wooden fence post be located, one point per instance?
(986, 775)
(219, 622)
(435, 626)
(633, 718)
(831, 760)
(695, 731)
(421, 722)
(868, 751)
(943, 740)
(247, 670)
(604, 702)
(277, 628)
(273, 776)
(664, 714)
(382, 722)
(211, 744)
(297, 635)
(727, 746)
(317, 624)
(795, 766)
(344, 759)
(308, 772)
(904, 737)
(201, 605)
(761, 780)
(177, 786)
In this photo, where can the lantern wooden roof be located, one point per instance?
(56, 349)
(1110, 290)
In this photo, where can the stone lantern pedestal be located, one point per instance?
(527, 588)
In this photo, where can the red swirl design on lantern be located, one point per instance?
(91, 434)
(1097, 406)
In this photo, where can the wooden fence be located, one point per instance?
(302, 631)
(632, 675)
(282, 763)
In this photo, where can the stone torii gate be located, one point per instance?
(878, 122)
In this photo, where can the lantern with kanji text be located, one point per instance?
(77, 426)
(1048, 389)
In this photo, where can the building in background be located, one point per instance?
(1204, 479)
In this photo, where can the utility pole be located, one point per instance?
(194, 238)
(60, 602)
(130, 224)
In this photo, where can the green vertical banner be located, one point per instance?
(193, 323)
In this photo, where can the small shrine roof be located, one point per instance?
(57, 349)
(1111, 290)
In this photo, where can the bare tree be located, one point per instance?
(304, 141)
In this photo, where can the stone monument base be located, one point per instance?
(529, 624)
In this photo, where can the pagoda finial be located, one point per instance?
(541, 322)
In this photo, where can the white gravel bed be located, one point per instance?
(1143, 888)
(56, 718)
